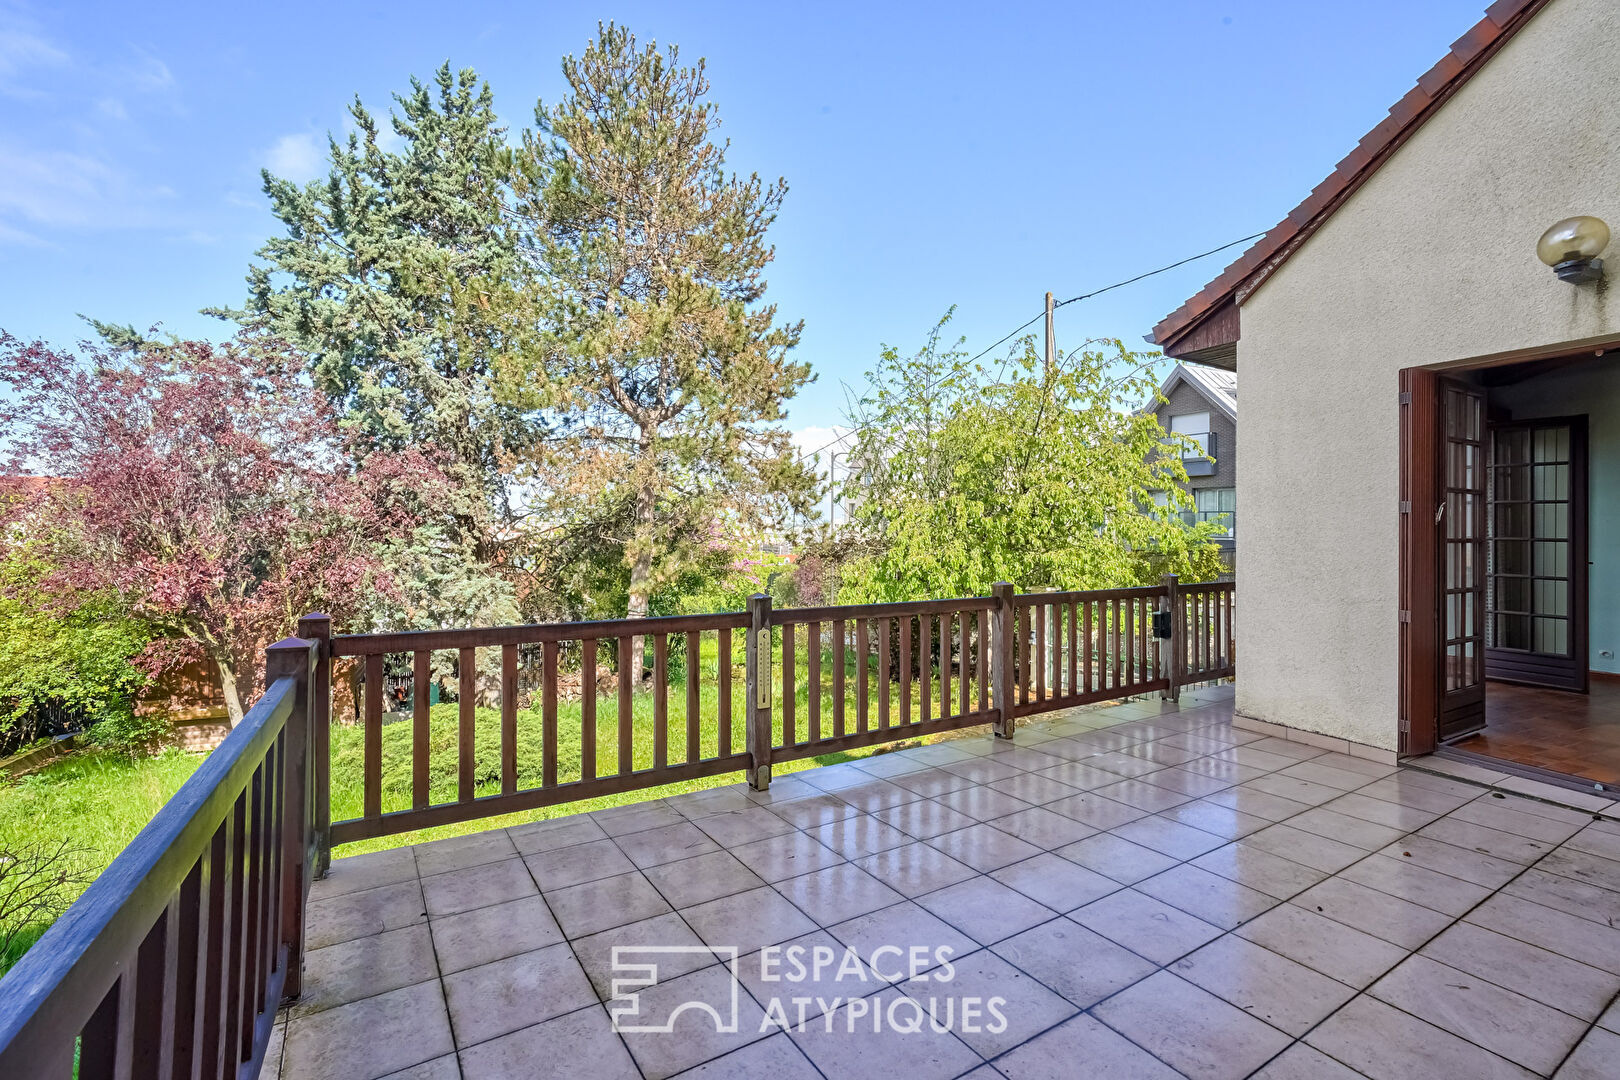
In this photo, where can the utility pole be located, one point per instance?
(1051, 338)
(832, 488)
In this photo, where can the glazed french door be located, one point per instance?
(1461, 520)
(1536, 629)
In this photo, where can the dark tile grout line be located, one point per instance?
(1226, 841)
(438, 970)
(1455, 920)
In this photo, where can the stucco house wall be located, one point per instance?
(1432, 261)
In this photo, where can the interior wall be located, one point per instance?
(1593, 390)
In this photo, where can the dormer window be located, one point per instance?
(1195, 426)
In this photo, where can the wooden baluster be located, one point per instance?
(886, 637)
(98, 1040)
(945, 665)
(421, 687)
(660, 700)
(627, 680)
(1020, 651)
(812, 651)
(252, 924)
(1038, 661)
(863, 649)
(981, 627)
(724, 651)
(191, 989)
(548, 715)
(790, 734)
(151, 1048)
(1074, 648)
(215, 950)
(694, 731)
(838, 676)
(964, 672)
(587, 709)
(1119, 661)
(467, 702)
(925, 667)
(509, 693)
(905, 670)
(372, 782)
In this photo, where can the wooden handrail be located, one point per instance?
(531, 634)
(123, 968)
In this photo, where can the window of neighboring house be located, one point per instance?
(1196, 427)
(1218, 505)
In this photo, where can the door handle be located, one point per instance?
(1439, 513)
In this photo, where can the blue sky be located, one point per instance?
(969, 154)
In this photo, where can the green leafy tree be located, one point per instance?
(655, 350)
(384, 275)
(79, 659)
(964, 477)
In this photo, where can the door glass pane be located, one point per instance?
(1513, 594)
(1552, 559)
(1552, 636)
(1552, 597)
(1512, 446)
(1512, 482)
(1513, 631)
(1512, 521)
(1512, 557)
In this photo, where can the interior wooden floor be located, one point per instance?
(1575, 734)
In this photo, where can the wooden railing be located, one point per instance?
(589, 738)
(175, 959)
(173, 962)
(906, 659)
(1074, 648)
(1209, 648)
(812, 681)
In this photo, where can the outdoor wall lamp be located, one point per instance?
(1572, 247)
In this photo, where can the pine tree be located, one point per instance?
(654, 342)
(384, 274)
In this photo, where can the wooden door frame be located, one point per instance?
(1421, 552)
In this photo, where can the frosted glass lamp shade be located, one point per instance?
(1573, 239)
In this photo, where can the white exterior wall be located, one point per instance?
(1432, 261)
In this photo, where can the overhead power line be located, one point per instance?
(958, 368)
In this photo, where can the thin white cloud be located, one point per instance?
(149, 74)
(14, 237)
(56, 188)
(299, 158)
(21, 50)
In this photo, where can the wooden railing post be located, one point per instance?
(1002, 648)
(294, 658)
(318, 628)
(1175, 651)
(758, 715)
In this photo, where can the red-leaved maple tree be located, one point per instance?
(208, 486)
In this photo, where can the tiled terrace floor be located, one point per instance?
(1153, 894)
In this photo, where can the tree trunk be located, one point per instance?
(641, 578)
(228, 687)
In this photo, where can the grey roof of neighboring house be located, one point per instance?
(1217, 386)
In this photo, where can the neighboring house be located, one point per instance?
(1201, 403)
(1431, 438)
